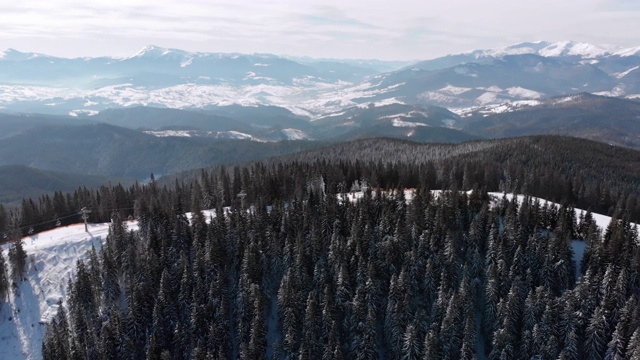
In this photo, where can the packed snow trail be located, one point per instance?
(51, 261)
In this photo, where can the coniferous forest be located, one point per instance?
(296, 270)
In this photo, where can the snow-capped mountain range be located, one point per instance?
(172, 78)
(562, 48)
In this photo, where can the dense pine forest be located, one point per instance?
(294, 270)
(449, 276)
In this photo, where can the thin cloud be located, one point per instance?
(405, 29)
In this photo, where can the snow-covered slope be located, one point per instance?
(601, 220)
(201, 133)
(52, 257)
(556, 49)
(589, 116)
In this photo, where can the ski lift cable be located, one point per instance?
(58, 218)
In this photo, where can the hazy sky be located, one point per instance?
(398, 29)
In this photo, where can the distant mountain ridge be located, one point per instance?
(107, 150)
(137, 141)
(558, 49)
(600, 118)
(192, 102)
(174, 78)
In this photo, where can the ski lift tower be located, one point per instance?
(85, 216)
(242, 194)
(364, 187)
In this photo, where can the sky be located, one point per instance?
(386, 30)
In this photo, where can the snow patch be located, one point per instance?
(615, 92)
(187, 62)
(239, 135)
(438, 97)
(625, 73)
(493, 88)
(399, 123)
(570, 48)
(499, 109)
(409, 114)
(496, 108)
(83, 112)
(389, 101)
(635, 51)
(202, 133)
(170, 133)
(454, 90)
(294, 134)
(519, 103)
(450, 123)
(487, 98)
(523, 93)
(566, 99)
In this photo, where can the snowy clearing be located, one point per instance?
(399, 123)
(294, 134)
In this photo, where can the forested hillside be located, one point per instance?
(586, 174)
(18, 182)
(107, 150)
(589, 175)
(293, 270)
(599, 118)
(447, 277)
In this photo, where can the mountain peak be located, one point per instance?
(15, 55)
(155, 52)
(516, 49)
(635, 51)
(556, 49)
(572, 48)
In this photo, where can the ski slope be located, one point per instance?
(51, 260)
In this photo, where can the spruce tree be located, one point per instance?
(633, 348)
(18, 260)
(595, 337)
(4, 279)
(411, 345)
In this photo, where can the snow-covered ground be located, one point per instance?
(51, 259)
(601, 220)
(202, 133)
(294, 134)
(578, 246)
(399, 123)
